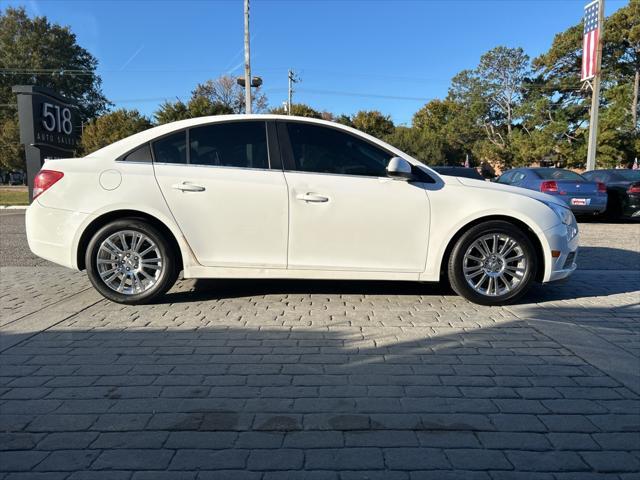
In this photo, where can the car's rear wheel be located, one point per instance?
(492, 263)
(129, 261)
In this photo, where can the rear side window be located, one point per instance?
(321, 149)
(518, 177)
(235, 144)
(171, 149)
(140, 154)
(506, 177)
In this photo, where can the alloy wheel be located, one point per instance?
(495, 264)
(129, 262)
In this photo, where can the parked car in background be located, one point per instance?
(582, 196)
(459, 172)
(15, 178)
(623, 190)
(268, 196)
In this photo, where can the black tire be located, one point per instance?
(166, 278)
(614, 207)
(456, 261)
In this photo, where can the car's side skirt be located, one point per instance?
(242, 272)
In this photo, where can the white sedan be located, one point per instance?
(267, 196)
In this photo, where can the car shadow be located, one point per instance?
(225, 388)
(586, 282)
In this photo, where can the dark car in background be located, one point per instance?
(623, 189)
(459, 172)
(582, 196)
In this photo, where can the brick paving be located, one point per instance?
(323, 380)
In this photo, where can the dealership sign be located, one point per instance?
(50, 126)
(47, 118)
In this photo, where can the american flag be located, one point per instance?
(590, 41)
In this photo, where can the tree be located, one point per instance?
(298, 110)
(372, 122)
(492, 94)
(424, 146)
(451, 123)
(343, 119)
(559, 109)
(36, 52)
(196, 107)
(11, 152)
(226, 91)
(112, 127)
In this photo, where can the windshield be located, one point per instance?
(558, 174)
(632, 175)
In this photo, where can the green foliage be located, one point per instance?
(489, 97)
(11, 152)
(37, 52)
(298, 110)
(112, 127)
(559, 109)
(372, 122)
(343, 120)
(452, 124)
(198, 106)
(509, 112)
(423, 145)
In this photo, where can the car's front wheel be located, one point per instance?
(129, 261)
(492, 263)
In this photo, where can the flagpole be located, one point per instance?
(595, 96)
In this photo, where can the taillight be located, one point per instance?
(602, 188)
(44, 180)
(549, 186)
(634, 188)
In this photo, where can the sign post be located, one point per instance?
(591, 64)
(49, 127)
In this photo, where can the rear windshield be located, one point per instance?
(626, 174)
(558, 174)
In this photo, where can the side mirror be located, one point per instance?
(399, 168)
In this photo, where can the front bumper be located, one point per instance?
(52, 233)
(564, 264)
(632, 207)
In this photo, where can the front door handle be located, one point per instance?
(312, 197)
(188, 187)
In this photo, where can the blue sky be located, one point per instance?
(389, 55)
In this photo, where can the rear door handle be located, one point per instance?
(188, 187)
(312, 197)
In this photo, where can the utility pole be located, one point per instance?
(292, 80)
(247, 60)
(595, 96)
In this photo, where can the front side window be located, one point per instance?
(235, 144)
(321, 149)
(171, 149)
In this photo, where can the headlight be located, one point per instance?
(566, 217)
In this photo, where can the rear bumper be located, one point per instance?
(51, 233)
(565, 264)
(597, 204)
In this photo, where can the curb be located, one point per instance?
(14, 207)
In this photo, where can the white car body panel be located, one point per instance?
(365, 224)
(240, 219)
(250, 223)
